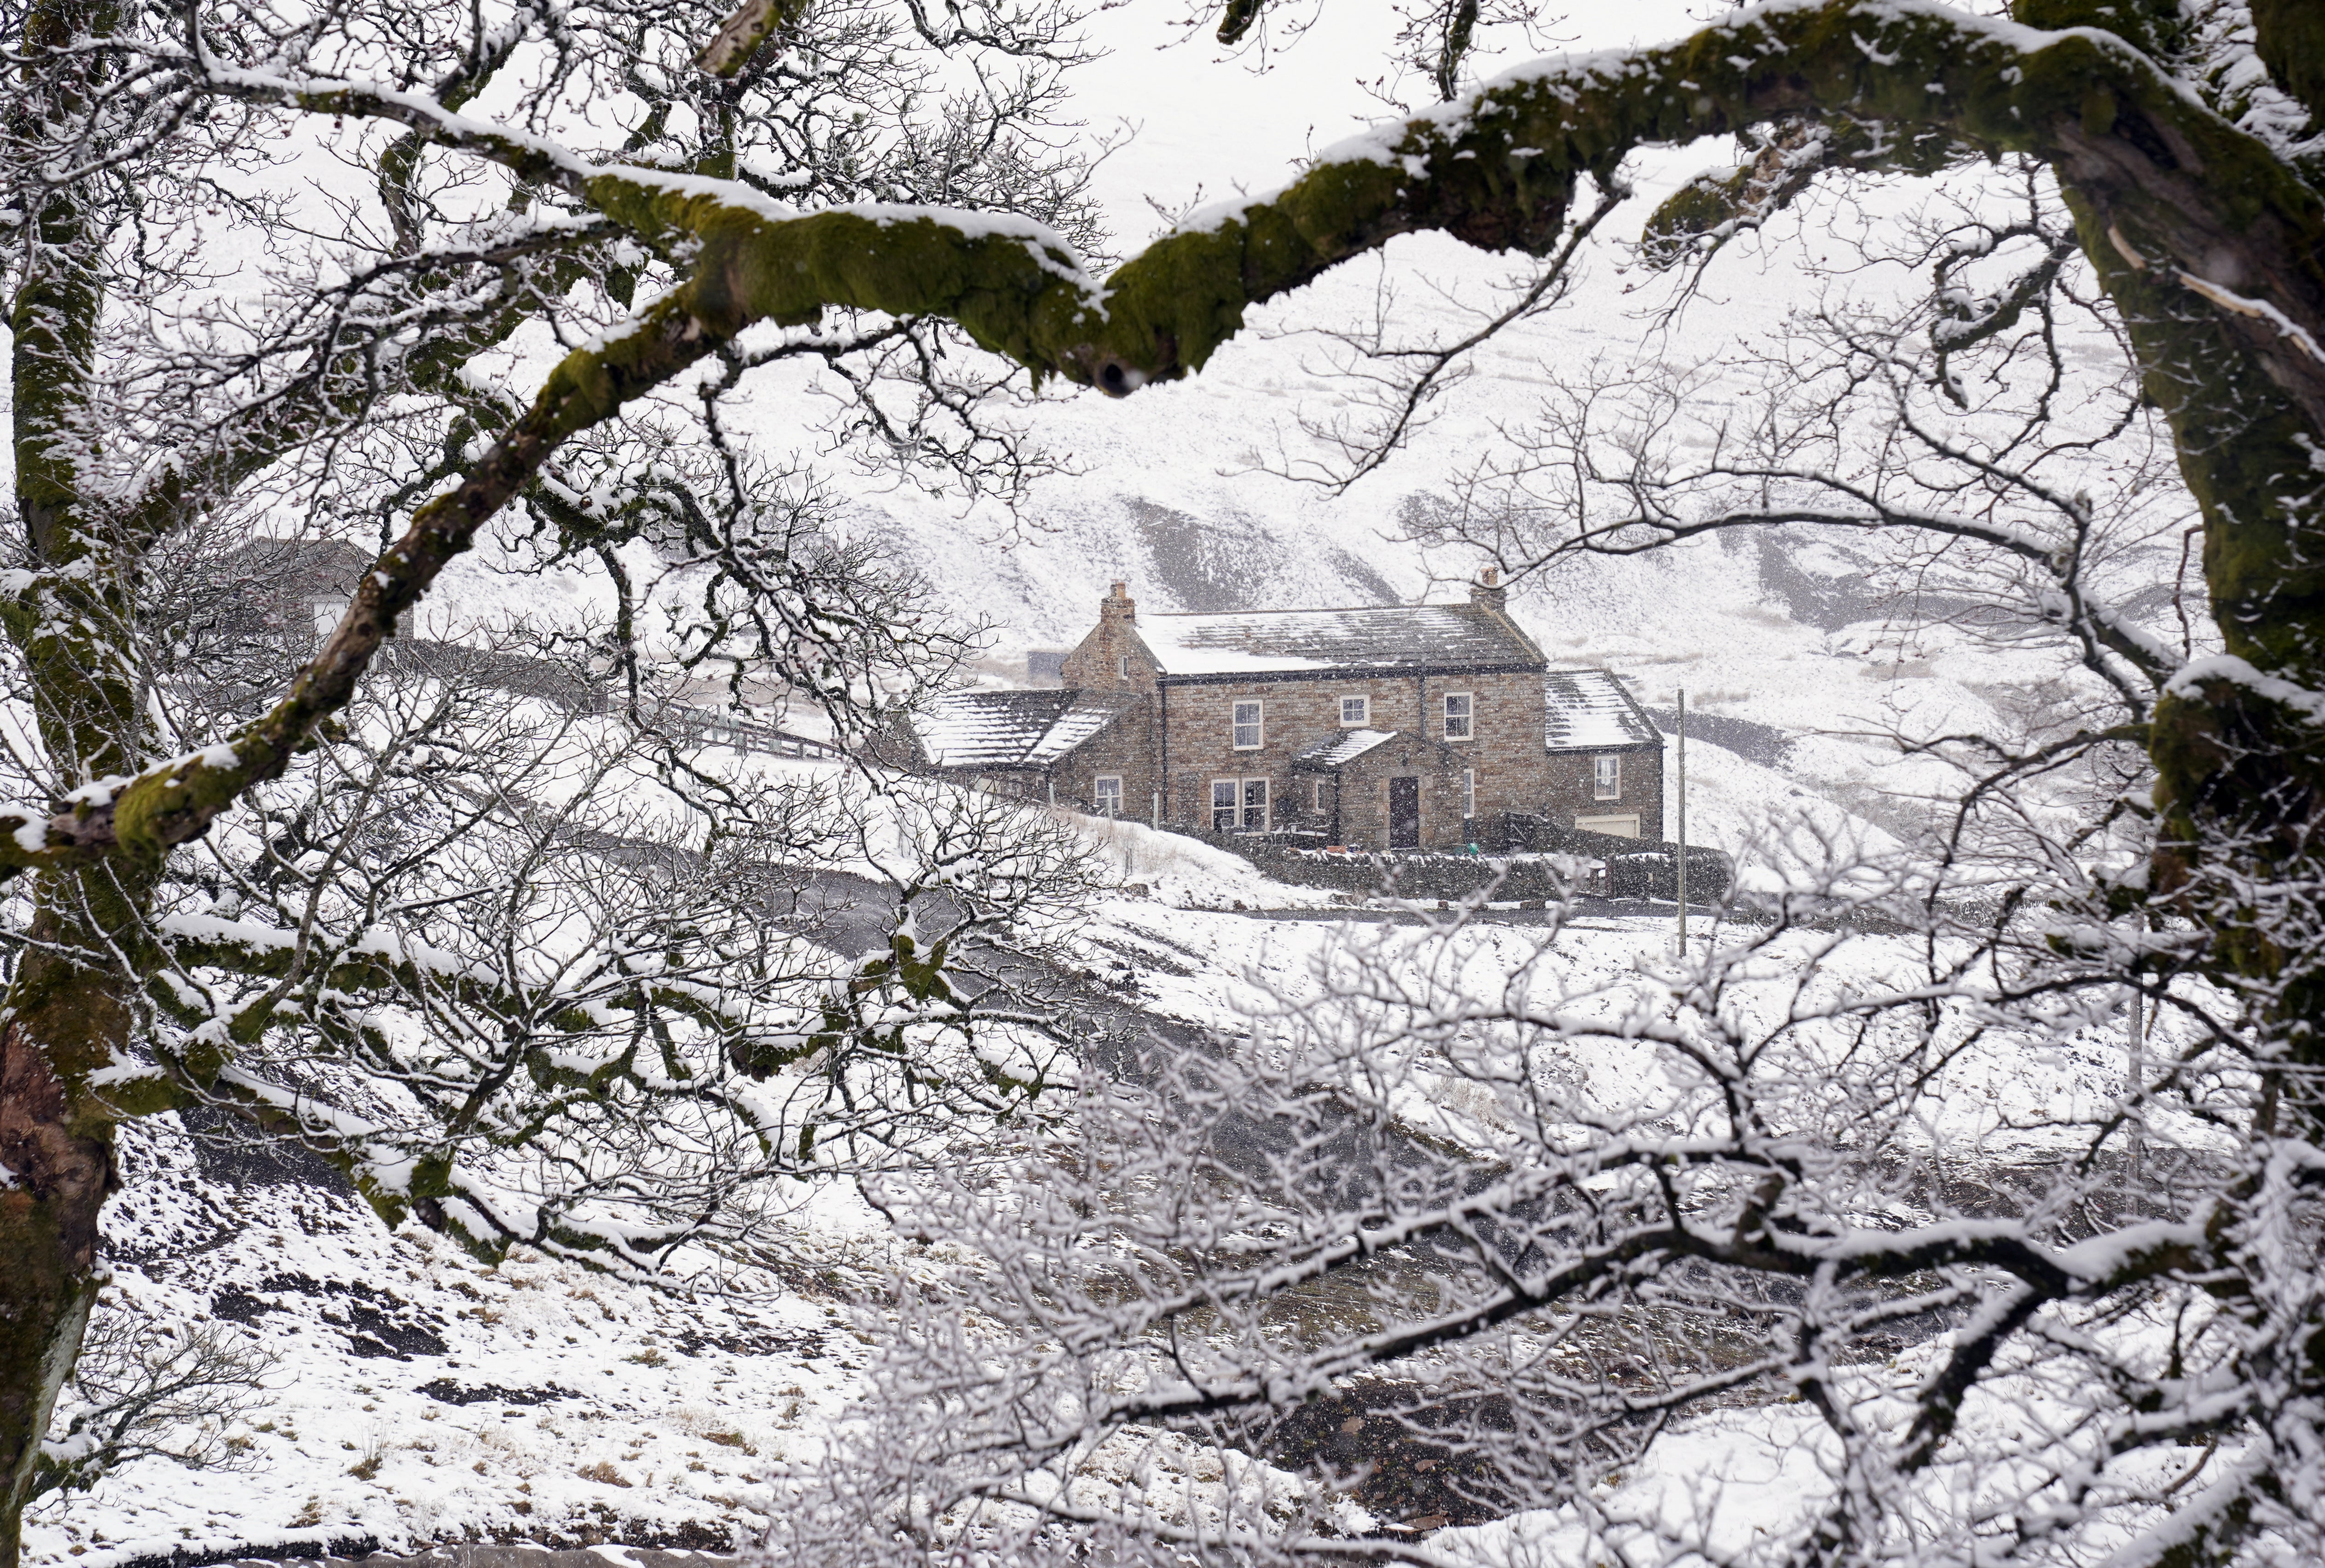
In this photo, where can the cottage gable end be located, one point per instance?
(1112, 656)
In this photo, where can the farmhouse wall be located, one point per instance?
(1505, 748)
(1571, 789)
(1126, 748)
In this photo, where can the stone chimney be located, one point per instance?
(1488, 593)
(1105, 660)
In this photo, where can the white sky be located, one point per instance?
(1204, 115)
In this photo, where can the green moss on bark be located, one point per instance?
(45, 1300)
(2290, 37)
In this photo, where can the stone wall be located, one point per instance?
(1634, 868)
(1541, 862)
(1299, 860)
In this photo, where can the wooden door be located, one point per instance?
(1404, 813)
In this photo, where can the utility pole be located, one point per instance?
(1682, 821)
(2135, 1033)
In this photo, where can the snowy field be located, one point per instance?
(414, 1397)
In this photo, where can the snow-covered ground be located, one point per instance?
(415, 1396)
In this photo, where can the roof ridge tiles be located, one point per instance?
(1314, 610)
(1374, 637)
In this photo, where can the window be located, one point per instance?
(1458, 710)
(1246, 726)
(1122, 665)
(1356, 711)
(1254, 805)
(1320, 796)
(1107, 792)
(1468, 792)
(1605, 778)
(1240, 803)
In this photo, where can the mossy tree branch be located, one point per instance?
(199, 1073)
(2290, 37)
(2209, 243)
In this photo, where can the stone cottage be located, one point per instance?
(1381, 726)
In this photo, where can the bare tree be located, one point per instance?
(1460, 1233)
(146, 1389)
(798, 187)
(497, 925)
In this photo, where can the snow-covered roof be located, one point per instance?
(989, 729)
(1339, 750)
(1085, 715)
(1379, 637)
(1589, 710)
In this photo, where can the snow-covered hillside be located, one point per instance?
(1185, 491)
(415, 1396)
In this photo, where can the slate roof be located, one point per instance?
(1394, 636)
(1005, 729)
(1589, 710)
(1085, 716)
(1339, 750)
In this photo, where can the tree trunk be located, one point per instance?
(67, 1010)
(67, 1019)
(48, 1259)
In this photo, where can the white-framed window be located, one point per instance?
(1605, 778)
(1107, 791)
(1248, 729)
(1224, 795)
(1460, 711)
(1468, 792)
(1255, 805)
(1356, 711)
(1318, 785)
